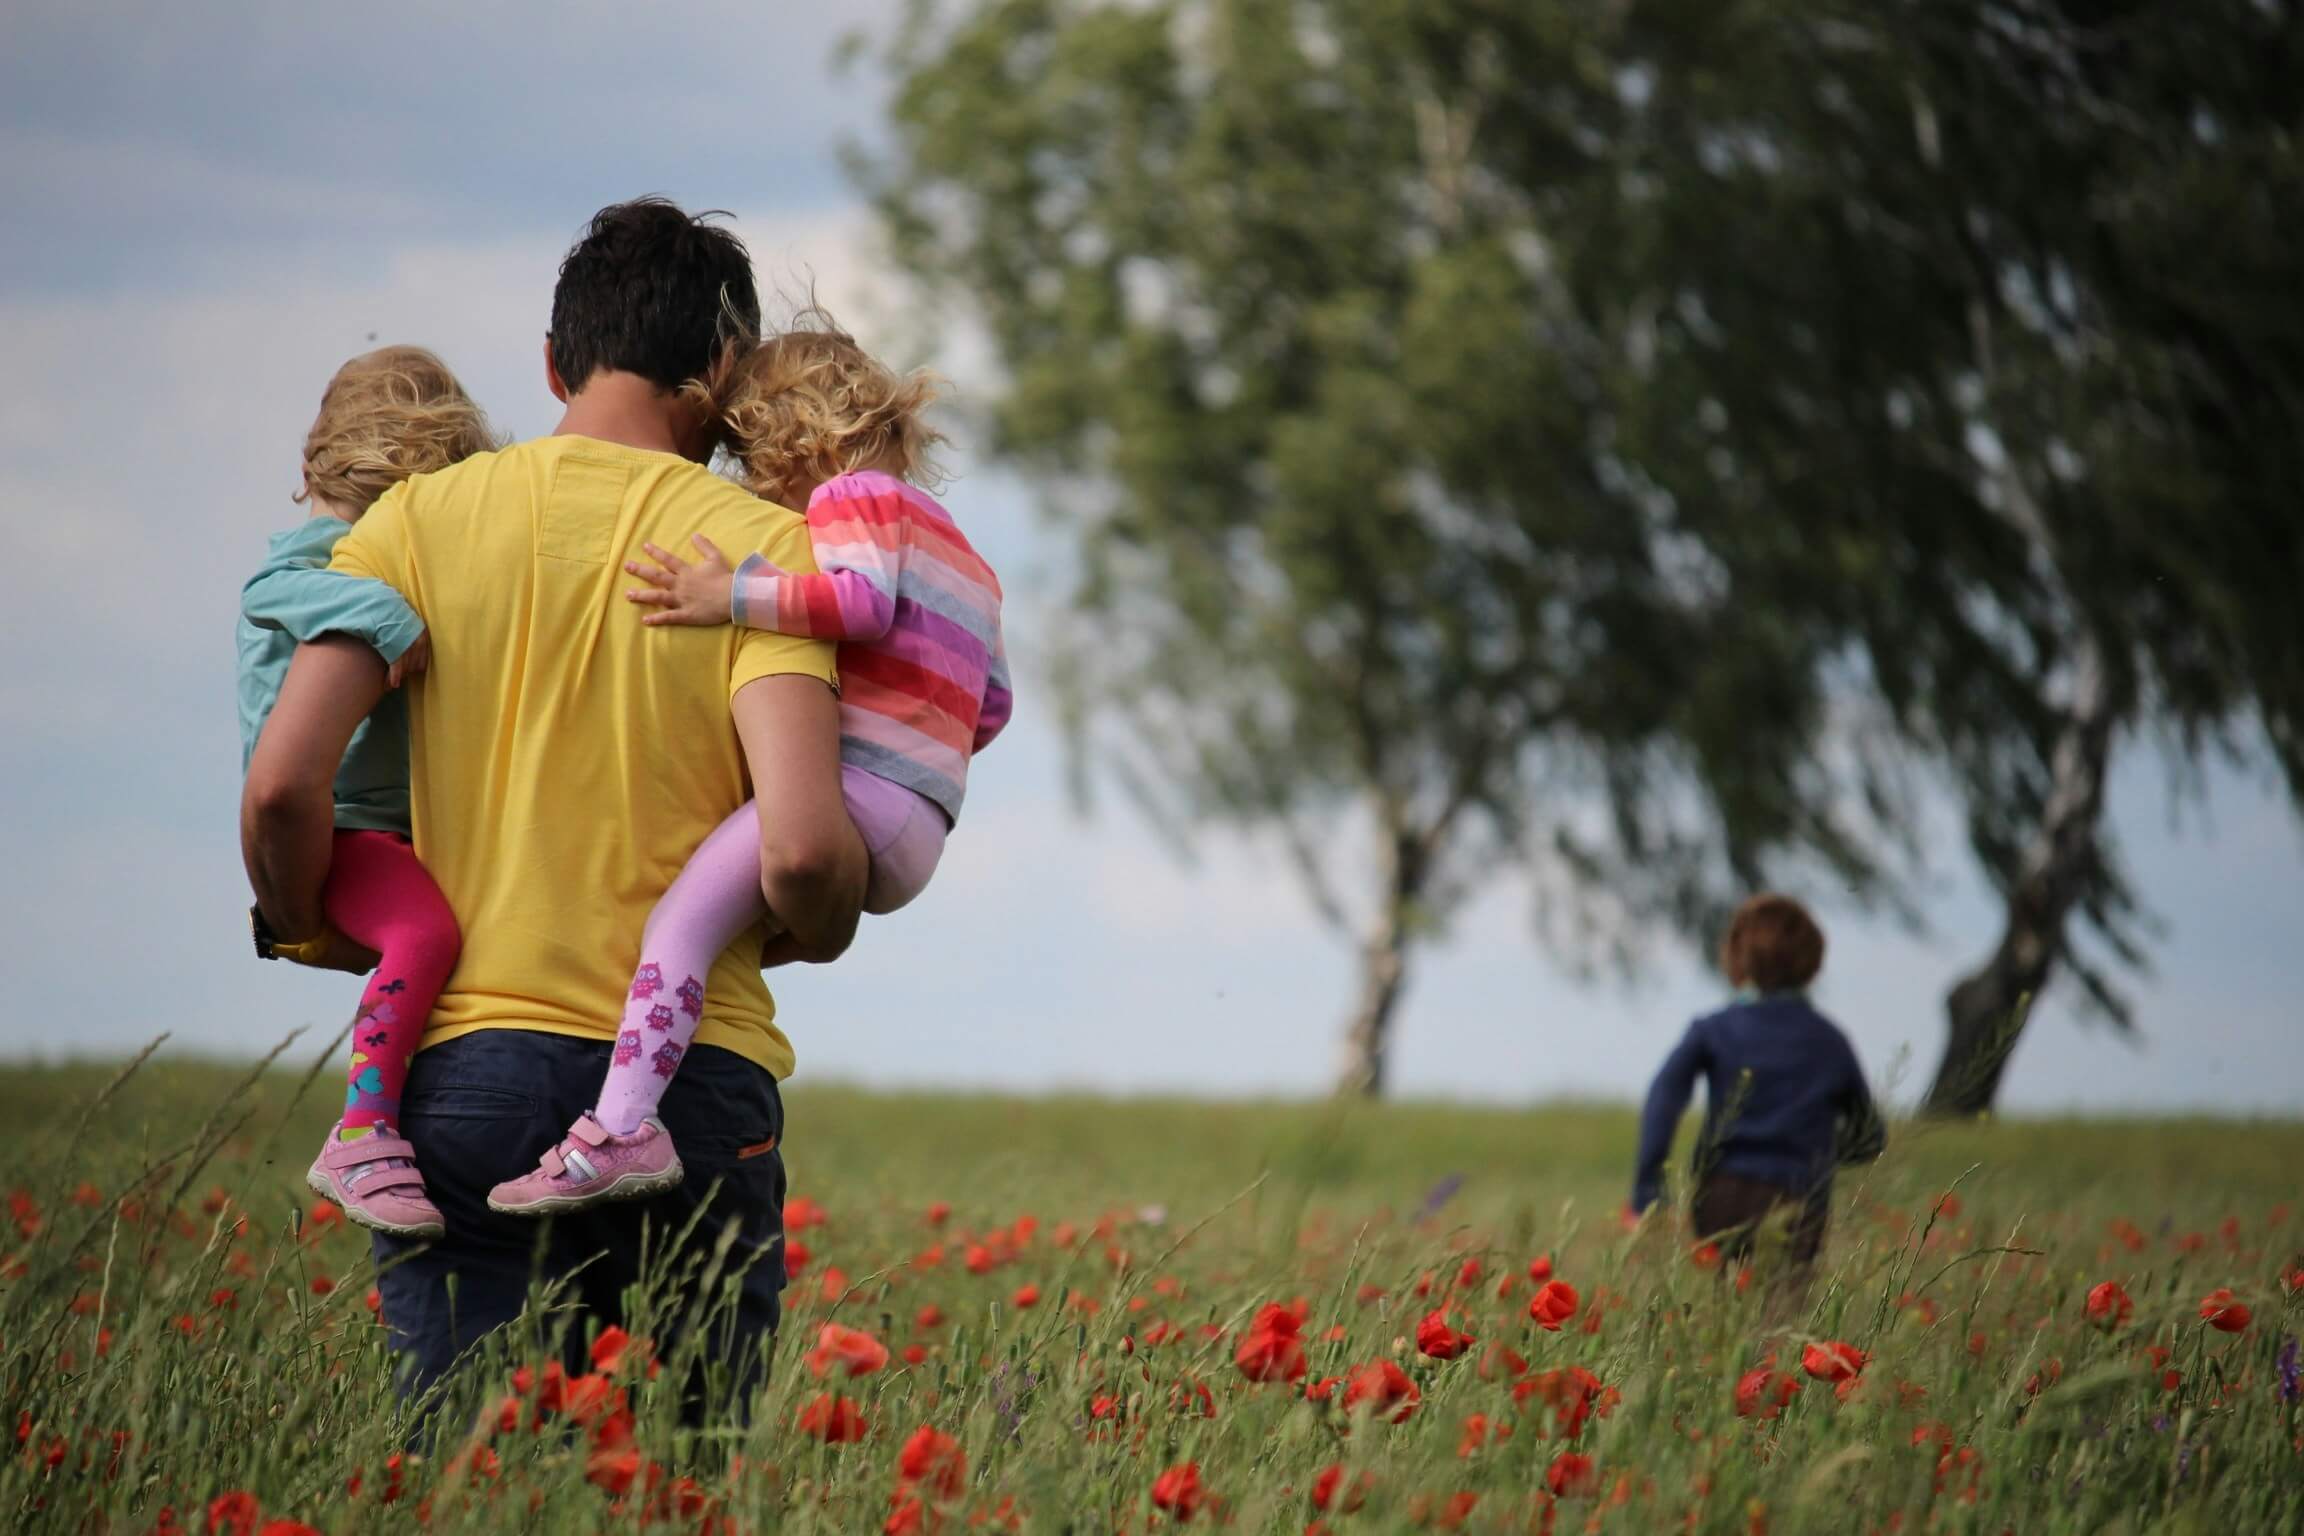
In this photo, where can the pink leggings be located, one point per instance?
(716, 898)
(379, 894)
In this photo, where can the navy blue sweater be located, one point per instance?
(1784, 1099)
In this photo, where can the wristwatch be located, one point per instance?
(269, 947)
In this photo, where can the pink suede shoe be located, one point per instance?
(375, 1179)
(592, 1166)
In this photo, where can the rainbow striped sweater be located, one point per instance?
(923, 674)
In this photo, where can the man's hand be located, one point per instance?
(785, 949)
(335, 953)
(417, 658)
(682, 593)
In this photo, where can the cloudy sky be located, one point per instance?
(211, 207)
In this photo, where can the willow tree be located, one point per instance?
(1633, 444)
(1315, 393)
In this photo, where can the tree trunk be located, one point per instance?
(1383, 975)
(1986, 1011)
(1403, 858)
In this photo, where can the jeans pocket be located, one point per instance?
(457, 1101)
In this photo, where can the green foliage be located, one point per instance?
(163, 1340)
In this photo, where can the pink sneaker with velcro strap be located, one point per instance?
(376, 1180)
(593, 1165)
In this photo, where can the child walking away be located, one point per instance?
(386, 415)
(1785, 1099)
(923, 688)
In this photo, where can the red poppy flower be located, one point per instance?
(234, 1513)
(1178, 1491)
(591, 1397)
(1705, 1256)
(929, 1316)
(1556, 1302)
(1763, 1393)
(851, 1351)
(1571, 1475)
(1273, 1347)
(1386, 1388)
(287, 1528)
(2108, 1305)
(1437, 1340)
(801, 1213)
(833, 1420)
(1027, 1295)
(612, 1469)
(1191, 1396)
(2220, 1312)
(939, 1213)
(933, 1461)
(1574, 1395)
(1540, 1269)
(909, 1514)
(611, 1348)
(1329, 1492)
(1833, 1361)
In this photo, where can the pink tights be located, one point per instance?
(708, 908)
(379, 894)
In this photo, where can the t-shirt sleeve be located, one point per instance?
(764, 653)
(377, 546)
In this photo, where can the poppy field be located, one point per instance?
(1073, 1315)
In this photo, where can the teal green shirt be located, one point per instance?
(293, 598)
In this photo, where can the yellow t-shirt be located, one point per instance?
(565, 759)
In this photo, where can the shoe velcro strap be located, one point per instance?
(387, 1175)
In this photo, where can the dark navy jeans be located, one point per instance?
(483, 1108)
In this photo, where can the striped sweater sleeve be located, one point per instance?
(859, 542)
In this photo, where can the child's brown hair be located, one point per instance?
(810, 404)
(386, 415)
(1772, 944)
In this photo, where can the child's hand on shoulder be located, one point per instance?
(680, 592)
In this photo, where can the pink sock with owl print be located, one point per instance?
(715, 899)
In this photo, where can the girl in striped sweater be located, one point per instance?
(923, 687)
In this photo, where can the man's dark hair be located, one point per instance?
(651, 290)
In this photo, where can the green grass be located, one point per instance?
(163, 1342)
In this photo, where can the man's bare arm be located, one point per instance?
(812, 863)
(288, 805)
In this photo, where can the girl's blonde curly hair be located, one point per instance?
(386, 415)
(808, 404)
